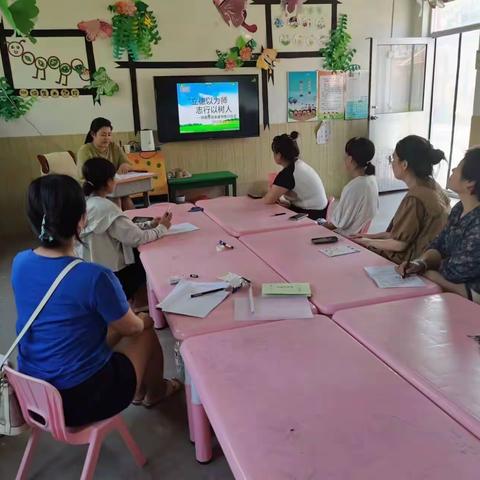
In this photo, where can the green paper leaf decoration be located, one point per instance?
(103, 84)
(12, 106)
(337, 54)
(134, 34)
(21, 15)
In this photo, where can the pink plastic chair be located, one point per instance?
(331, 201)
(271, 178)
(365, 228)
(43, 400)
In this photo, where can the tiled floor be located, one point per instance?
(162, 432)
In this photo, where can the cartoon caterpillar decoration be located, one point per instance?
(16, 49)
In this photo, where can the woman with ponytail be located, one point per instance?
(99, 143)
(86, 341)
(424, 210)
(110, 238)
(298, 184)
(359, 200)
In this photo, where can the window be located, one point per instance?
(458, 13)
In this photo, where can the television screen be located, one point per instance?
(200, 107)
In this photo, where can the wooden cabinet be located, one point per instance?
(153, 162)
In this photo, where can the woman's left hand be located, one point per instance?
(360, 240)
(124, 168)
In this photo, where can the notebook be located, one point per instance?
(387, 277)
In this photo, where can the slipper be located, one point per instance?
(173, 386)
(137, 402)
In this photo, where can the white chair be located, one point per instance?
(58, 162)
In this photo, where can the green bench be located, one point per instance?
(202, 180)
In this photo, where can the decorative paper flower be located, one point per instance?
(126, 8)
(230, 64)
(235, 56)
(246, 54)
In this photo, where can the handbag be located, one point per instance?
(11, 418)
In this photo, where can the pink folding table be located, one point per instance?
(243, 215)
(337, 282)
(426, 341)
(301, 399)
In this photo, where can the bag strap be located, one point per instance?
(39, 308)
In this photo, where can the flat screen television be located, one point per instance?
(207, 106)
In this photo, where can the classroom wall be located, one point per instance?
(190, 31)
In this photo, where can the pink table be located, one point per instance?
(337, 282)
(425, 340)
(303, 400)
(196, 253)
(243, 215)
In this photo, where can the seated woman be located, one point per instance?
(110, 238)
(359, 200)
(423, 212)
(453, 258)
(86, 341)
(99, 143)
(298, 185)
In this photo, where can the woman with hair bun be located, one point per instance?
(424, 210)
(359, 200)
(298, 184)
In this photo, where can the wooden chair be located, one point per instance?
(58, 162)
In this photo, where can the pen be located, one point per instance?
(278, 214)
(224, 244)
(200, 294)
(404, 274)
(250, 299)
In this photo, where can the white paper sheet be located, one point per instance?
(125, 176)
(387, 277)
(267, 308)
(338, 250)
(181, 228)
(324, 132)
(180, 302)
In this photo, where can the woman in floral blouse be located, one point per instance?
(453, 258)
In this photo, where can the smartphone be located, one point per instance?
(298, 216)
(255, 196)
(322, 240)
(141, 219)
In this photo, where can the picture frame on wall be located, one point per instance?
(302, 96)
(305, 30)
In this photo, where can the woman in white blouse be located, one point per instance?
(359, 200)
(110, 238)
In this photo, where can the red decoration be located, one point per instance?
(234, 12)
(95, 29)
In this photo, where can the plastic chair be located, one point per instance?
(271, 178)
(365, 228)
(58, 162)
(331, 201)
(42, 409)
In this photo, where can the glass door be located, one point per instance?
(400, 91)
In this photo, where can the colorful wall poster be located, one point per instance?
(302, 96)
(208, 107)
(331, 93)
(356, 95)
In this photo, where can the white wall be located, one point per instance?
(191, 30)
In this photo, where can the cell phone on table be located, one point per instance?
(298, 216)
(141, 219)
(322, 240)
(255, 196)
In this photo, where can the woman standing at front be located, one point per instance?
(298, 185)
(423, 212)
(99, 143)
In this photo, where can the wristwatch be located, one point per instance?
(421, 263)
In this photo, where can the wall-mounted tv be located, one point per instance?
(207, 106)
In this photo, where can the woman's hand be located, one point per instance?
(146, 319)
(124, 168)
(165, 220)
(410, 268)
(361, 240)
